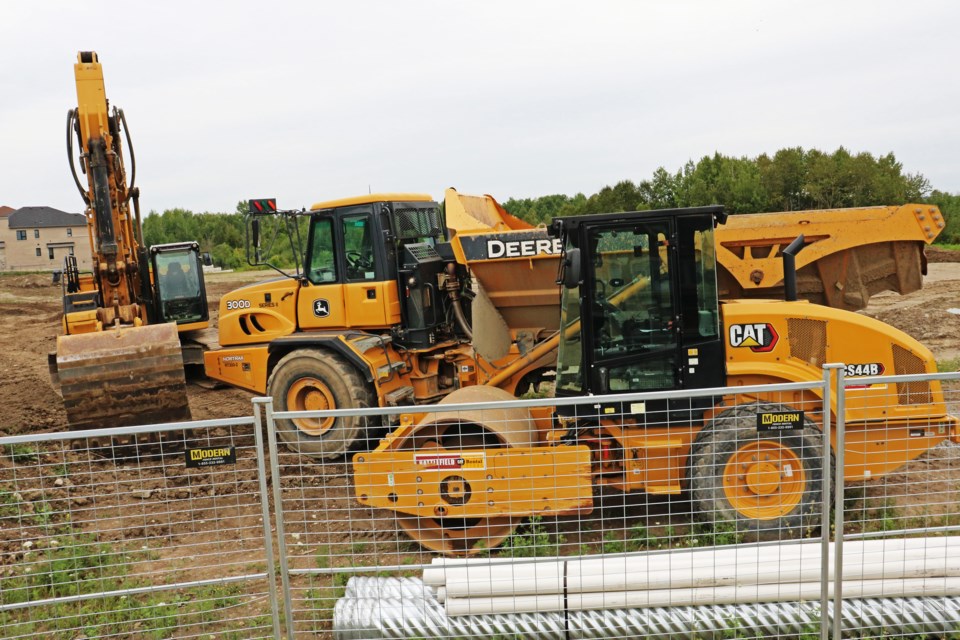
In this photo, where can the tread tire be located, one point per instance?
(721, 438)
(348, 390)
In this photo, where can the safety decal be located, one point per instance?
(446, 461)
(759, 336)
(321, 308)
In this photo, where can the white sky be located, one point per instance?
(316, 100)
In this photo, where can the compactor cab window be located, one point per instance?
(633, 307)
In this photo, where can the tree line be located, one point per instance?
(791, 179)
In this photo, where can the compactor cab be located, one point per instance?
(640, 310)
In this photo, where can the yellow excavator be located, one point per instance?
(119, 361)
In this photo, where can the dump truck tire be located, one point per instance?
(310, 380)
(756, 482)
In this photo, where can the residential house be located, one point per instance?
(39, 238)
(4, 212)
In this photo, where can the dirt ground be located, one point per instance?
(30, 308)
(31, 311)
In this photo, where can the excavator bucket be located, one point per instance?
(122, 377)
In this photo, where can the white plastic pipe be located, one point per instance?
(914, 587)
(697, 571)
(685, 568)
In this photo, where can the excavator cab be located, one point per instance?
(181, 296)
(639, 308)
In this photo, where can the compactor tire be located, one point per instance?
(758, 484)
(314, 379)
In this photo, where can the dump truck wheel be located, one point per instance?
(314, 380)
(758, 483)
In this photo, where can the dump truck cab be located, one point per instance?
(374, 262)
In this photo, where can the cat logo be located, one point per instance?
(321, 308)
(760, 337)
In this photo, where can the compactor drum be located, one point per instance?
(445, 434)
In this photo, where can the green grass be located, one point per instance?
(22, 453)
(948, 365)
(532, 540)
(79, 566)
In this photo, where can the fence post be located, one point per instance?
(265, 511)
(278, 515)
(825, 511)
(838, 502)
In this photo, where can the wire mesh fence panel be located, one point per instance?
(633, 516)
(901, 506)
(120, 534)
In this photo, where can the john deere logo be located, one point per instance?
(321, 308)
(759, 336)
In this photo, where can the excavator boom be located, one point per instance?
(115, 367)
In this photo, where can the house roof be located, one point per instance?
(5, 211)
(38, 217)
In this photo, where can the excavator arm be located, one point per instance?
(113, 369)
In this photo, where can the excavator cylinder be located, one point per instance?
(122, 377)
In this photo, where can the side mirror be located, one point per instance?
(255, 234)
(571, 268)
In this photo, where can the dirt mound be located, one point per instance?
(29, 281)
(940, 254)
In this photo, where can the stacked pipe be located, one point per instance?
(907, 587)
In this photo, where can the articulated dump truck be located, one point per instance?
(397, 305)
(119, 361)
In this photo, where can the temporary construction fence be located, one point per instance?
(647, 552)
(157, 531)
(134, 541)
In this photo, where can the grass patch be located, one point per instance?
(79, 565)
(22, 453)
(948, 364)
(532, 540)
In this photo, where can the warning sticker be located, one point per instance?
(210, 456)
(443, 461)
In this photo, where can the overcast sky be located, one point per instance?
(317, 100)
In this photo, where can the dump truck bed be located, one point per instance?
(849, 255)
